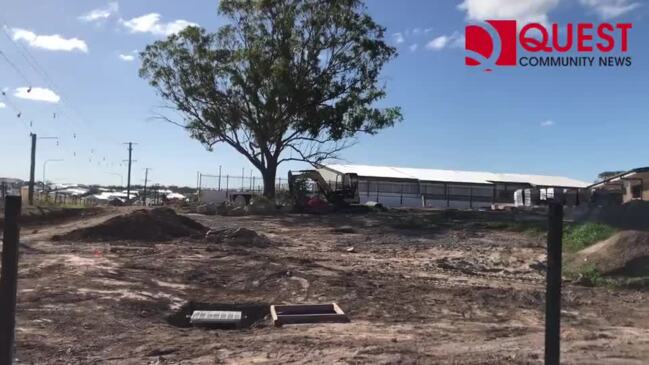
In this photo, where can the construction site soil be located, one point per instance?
(159, 224)
(419, 288)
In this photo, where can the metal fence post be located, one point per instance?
(553, 285)
(9, 278)
(219, 177)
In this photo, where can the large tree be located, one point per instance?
(284, 80)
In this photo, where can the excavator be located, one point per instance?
(338, 194)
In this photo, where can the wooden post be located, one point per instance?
(553, 285)
(9, 278)
(32, 170)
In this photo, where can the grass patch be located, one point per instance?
(588, 275)
(580, 236)
(591, 276)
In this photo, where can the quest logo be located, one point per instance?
(498, 42)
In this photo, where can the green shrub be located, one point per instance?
(580, 236)
(591, 276)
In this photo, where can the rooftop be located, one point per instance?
(469, 177)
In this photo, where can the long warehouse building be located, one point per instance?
(432, 188)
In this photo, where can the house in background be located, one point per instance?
(623, 187)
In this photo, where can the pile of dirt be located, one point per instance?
(625, 253)
(631, 215)
(237, 236)
(159, 224)
(207, 209)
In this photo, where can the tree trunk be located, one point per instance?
(269, 180)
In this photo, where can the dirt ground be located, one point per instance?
(458, 292)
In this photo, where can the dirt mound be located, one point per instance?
(625, 253)
(160, 224)
(631, 215)
(237, 236)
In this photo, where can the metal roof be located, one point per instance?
(618, 177)
(467, 177)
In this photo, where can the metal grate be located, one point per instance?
(215, 317)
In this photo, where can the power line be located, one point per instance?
(41, 71)
(13, 65)
(11, 104)
(31, 60)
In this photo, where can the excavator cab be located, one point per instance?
(340, 193)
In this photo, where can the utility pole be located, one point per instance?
(32, 170)
(128, 179)
(146, 179)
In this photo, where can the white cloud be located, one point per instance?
(438, 43)
(413, 47)
(2, 105)
(37, 94)
(127, 57)
(547, 123)
(608, 9)
(455, 40)
(521, 10)
(101, 13)
(49, 42)
(150, 23)
(398, 38)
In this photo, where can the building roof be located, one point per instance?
(467, 177)
(618, 177)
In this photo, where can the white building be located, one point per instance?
(411, 187)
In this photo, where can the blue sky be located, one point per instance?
(571, 122)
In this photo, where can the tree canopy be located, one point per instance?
(283, 80)
(607, 174)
